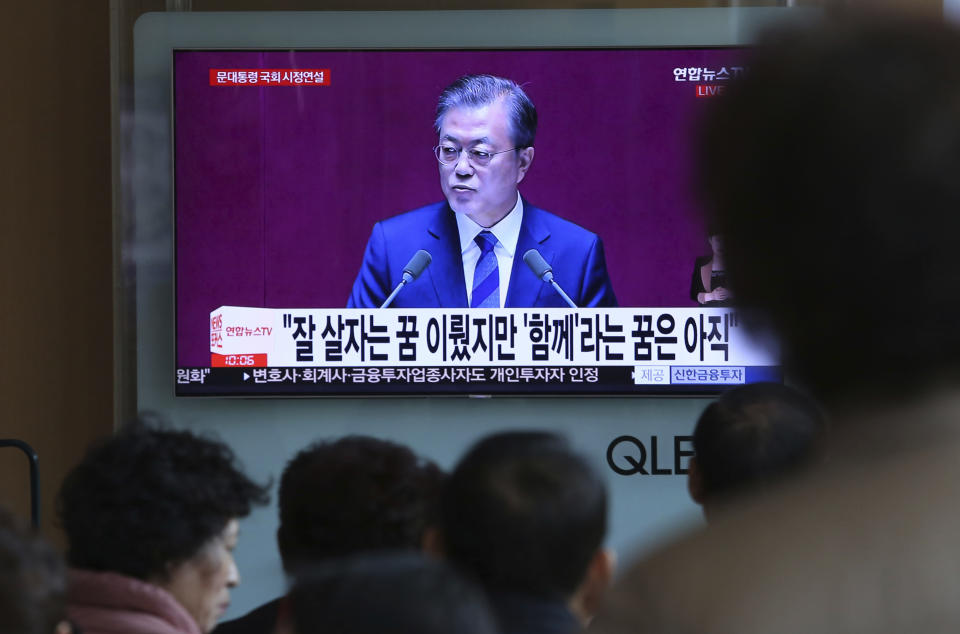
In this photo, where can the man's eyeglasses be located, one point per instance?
(450, 154)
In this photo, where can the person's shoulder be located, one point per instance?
(261, 620)
(789, 555)
(414, 217)
(556, 224)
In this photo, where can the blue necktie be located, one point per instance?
(486, 277)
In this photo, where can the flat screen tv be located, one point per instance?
(306, 180)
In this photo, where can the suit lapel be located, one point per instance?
(525, 288)
(446, 269)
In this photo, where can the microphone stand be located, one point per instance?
(565, 297)
(400, 286)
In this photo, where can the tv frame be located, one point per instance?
(157, 35)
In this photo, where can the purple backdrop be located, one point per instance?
(277, 188)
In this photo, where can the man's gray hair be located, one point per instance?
(475, 91)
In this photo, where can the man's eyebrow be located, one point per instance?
(447, 137)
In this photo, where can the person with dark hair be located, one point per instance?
(33, 582)
(752, 437)
(151, 516)
(342, 497)
(395, 592)
(478, 236)
(832, 170)
(708, 286)
(525, 515)
(828, 211)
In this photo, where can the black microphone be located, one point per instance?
(420, 261)
(544, 271)
(538, 265)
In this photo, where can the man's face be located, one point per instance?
(483, 193)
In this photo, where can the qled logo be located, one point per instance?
(628, 455)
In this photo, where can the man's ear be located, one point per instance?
(524, 159)
(587, 599)
(432, 542)
(695, 481)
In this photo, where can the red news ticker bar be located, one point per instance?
(269, 76)
(238, 360)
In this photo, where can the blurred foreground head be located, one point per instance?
(33, 583)
(839, 195)
(832, 171)
(525, 515)
(354, 494)
(397, 592)
(752, 437)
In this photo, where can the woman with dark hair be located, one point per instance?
(151, 519)
(708, 287)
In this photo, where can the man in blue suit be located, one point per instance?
(477, 237)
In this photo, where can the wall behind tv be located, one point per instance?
(56, 377)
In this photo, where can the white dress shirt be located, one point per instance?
(507, 232)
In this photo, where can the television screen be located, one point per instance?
(308, 182)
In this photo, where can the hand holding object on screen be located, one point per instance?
(718, 294)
